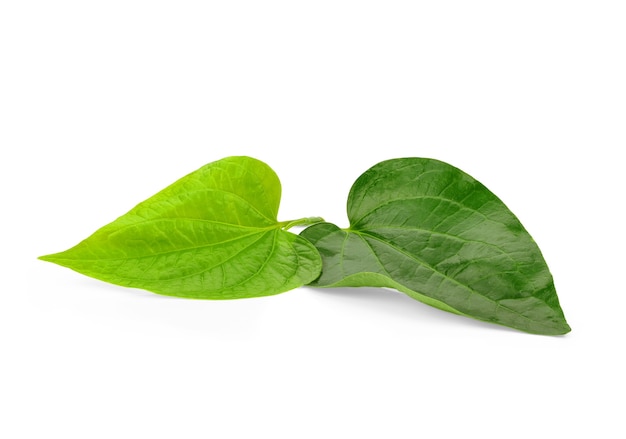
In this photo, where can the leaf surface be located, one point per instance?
(213, 234)
(430, 230)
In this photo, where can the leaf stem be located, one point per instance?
(309, 221)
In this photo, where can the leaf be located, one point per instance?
(210, 235)
(428, 229)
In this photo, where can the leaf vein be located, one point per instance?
(451, 279)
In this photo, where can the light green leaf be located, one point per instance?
(433, 232)
(213, 234)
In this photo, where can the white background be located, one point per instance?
(103, 104)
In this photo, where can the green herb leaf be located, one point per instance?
(433, 232)
(211, 235)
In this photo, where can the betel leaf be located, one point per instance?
(213, 234)
(428, 229)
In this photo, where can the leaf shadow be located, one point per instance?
(119, 290)
(398, 304)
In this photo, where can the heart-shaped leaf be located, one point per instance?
(213, 234)
(433, 232)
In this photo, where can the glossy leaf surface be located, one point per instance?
(428, 229)
(213, 234)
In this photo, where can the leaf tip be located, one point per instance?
(559, 328)
(49, 258)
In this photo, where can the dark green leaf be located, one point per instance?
(211, 235)
(433, 232)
